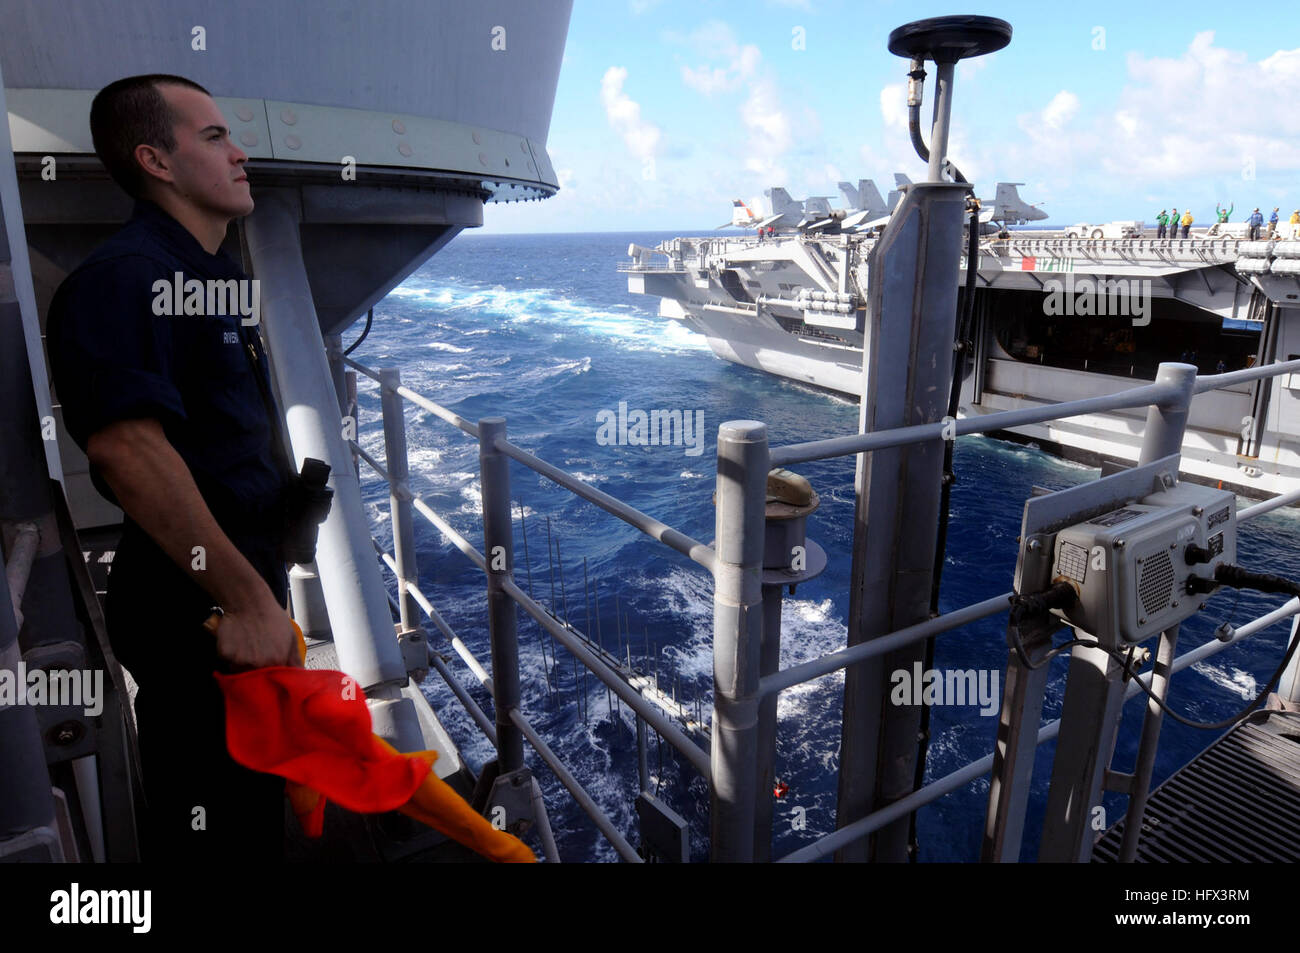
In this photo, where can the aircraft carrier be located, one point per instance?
(1056, 318)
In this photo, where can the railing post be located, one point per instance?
(737, 636)
(1288, 688)
(399, 494)
(1163, 436)
(1167, 423)
(338, 370)
(765, 763)
(350, 383)
(498, 547)
(1094, 695)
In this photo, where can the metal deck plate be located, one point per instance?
(1238, 801)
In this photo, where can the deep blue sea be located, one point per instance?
(540, 329)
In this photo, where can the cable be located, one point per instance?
(1024, 656)
(1239, 578)
(1056, 598)
(370, 316)
(1060, 595)
(1227, 722)
(964, 318)
(915, 95)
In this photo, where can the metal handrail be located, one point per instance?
(829, 843)
(1131, 398)
(374, 464)
(436, 409)
(1209, 382)
(843, 658)
(562, 631)
(470, 706)
(673, 539)
(841, 446)
(1159, 394)
(1003, 420)
(484, 724)
(670, 732)
(825, 664)
(463, 650)
(603, 823)
(1267, 506)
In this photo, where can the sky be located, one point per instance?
(667, 110)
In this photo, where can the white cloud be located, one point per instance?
(716, 40)
(732, 66)
(766, 121)
(1283, 66)
(968, 69)
(893, 106)
(624, 114)
(1060, 110)
(1207, 113)
(707, 81)
(1204, 115)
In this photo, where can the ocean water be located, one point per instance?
(540, 329)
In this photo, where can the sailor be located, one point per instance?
(173, 416)
(1173, 224)
(1187, 222)
(1255, 221)
(1161, 220)
(1295, 223)
(1223, 213)
(1272, 223)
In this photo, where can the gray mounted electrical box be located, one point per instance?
(1130, 565)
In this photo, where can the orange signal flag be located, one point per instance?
(440, 807)
(312, 727)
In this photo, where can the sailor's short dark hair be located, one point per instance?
(130, 112)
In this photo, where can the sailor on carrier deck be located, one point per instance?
(172, 412)
(1255, 221)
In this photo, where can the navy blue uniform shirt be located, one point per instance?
(114, 357)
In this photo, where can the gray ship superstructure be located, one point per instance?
(374, 135)
(1055, 319)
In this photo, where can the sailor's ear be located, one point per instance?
(155, 163)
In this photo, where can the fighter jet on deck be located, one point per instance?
(865, 210)
(1009, 208)
(741, 216)
(865, 198)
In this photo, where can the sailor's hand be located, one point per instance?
(256, 636)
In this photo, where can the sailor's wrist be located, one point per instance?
(246, 594)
